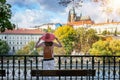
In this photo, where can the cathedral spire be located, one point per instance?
(71, 15)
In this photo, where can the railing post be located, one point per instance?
(81, 65)
(70, 62)
(19, 69)
(59, 62)
(13, 73)
(31, 67)
(114, 71)
(2, 65)
(70, 66)
(7, 69)
(37, 66)
(87, 68)
(98, 70)
(76, 67)
(119, 70)
(108, 69)
(93, 66)
(42, 66)
(25, 70)
(65, 65)
(103, 67)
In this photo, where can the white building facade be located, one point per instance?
(111, 27)
(18, 38)
(100, 27)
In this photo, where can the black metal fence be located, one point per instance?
(18, 67)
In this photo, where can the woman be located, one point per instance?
(48, 56)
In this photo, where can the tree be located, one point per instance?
(100, 48)
(106, 48)
(5, 15)
(105, 32)
(66, 34)
(28, 49)
(115, 47)
(115, 32)
(84, 39)
(79, 39)
(4, 47)
(91, 36)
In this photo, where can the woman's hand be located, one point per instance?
(40, 38)
(56, 38)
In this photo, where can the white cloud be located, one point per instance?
(28, 18)
(33, 17)
(37, 12)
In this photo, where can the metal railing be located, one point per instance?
(18, 67)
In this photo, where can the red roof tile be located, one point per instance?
(23, 31)
(80, 22)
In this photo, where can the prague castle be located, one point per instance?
(75, 20)
(87, 22)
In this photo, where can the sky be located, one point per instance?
(30, 13)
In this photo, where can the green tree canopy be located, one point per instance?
(5, 16)
(105, 32)
(84, 39)
(91, 36)
(4, 47)
(79, 39)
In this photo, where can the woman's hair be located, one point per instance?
(48, 43)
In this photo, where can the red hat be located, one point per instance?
(48, 37)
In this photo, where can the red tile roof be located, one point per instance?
(77, 23)
(80, 22)
(23, 31)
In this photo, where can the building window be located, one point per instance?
(17, 37)
(13, 48)
(5, 37)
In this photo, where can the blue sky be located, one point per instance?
(29, 13)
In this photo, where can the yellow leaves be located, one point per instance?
(111, 47)
(66, 35)
(94, 51)
(115, 45)
(64, 32)
(100, 44)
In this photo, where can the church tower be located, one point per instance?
(72, 15)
